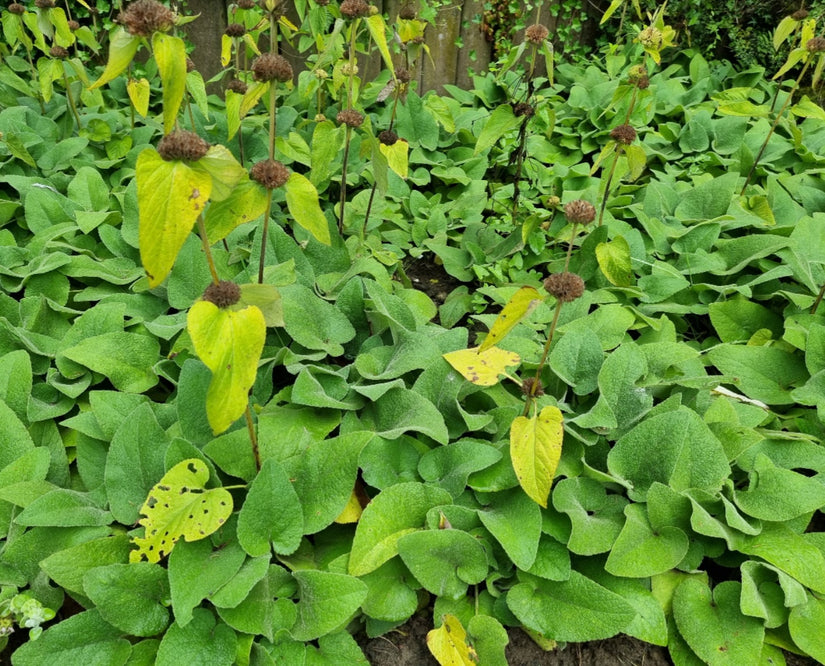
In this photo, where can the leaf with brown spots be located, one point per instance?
(179, 505)
(523, 302)
(482, 367)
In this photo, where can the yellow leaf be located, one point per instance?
(180, 506)
(396, 155)
(226, 50)
(170, 56)
(482, 367)
(352, 511)
(535, 449)
(448, 644)
(171, 195)
(518, 307)
(138, 90)
(230, 344)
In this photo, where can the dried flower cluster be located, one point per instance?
(235, 30)
(74, 25)
(353, 9)
(223, 294)
(350, 118)
(407, 12)
(800, 15)
(59, 52)
(44, 4)
(816, 45)
(182, 145)
(566, 287)
(524, 109)
(246, 4)
(237, 86)
(387, 137)
(144, 17)
(536, 34)
(269, 173)
(624, 134)
(580, 211)
(271, 67)
(16, 8)
(403, 75)
(531, 386)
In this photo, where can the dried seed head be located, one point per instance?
(269, 173)
(527, 387)
(246, 4)
(322, 3)
(182, 145)
(624, 134)
(190, 65)
(223, 294)
(407, 12)
(816, 45)
(235, 30)
(17, 8)
(74, 25)
(350, 118)
(58, 52)
(403, 75)
(144, 17)
(524, 109)
(643, 83)
(237, 86)
(580, 211)
(552, 201)
(536, 34)
(44, 4)
(353, 9)
(387, 137)
(566, 287)
(800, 15)
(636, 72)
(271, 67)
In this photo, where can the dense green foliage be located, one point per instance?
(667, 481)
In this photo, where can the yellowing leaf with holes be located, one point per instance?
(535, 449)
(523, 302)
(229, 343)
(170, 198)
(482, 367)
(352, 511)
(179, 505)
(448, 644)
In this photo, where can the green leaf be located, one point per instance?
(523, 302)
(63, 508)
(805, 624)
(398, 510)
(790, 552)
(122, 49)
(125, 358)
(197, 571)
(450, 466)
(640, 551)
(170, 56)
(736, 320)
(448, 643)
(378, 32)
(489, 638)
(15, 440)
(229, 343)
(180, 506)
(326, 601)
(202, 641)
(501, 121)
(514, 520)
(80, 640)
(271, 513)
(675, 448)
(764, 373)
(260, 612)
(577, 609)
(134, 461)
(402, 410)
(577, 359)
(302, 201)
(778, 494)
(245, 203)
(327, 141)
(389, 596)
(130, 596)
(713, 626)
(224, 170)
(596, 518)
(171, 195)
(535, 449)
(67, 567)
(236, 589)
(444, 561)
(614, 261)
(314, 323)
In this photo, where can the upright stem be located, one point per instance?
(603, 204)
(818, 299)
(537, 380)
(273, 96)
(775, 123)
(343, 201)
(206, 250)
(265, 236)
(253, 437)
(375, 184)
(70, 99)
(570, 247)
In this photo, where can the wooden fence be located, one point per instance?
(456, 22)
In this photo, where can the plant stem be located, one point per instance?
(265, 236)
(603, 205)
(206, 250)
(570, 247)
(537, 380)
(253, 437)
(343, 201)
(818, 299)
(774, 125)
(273, 96)
(397, 94)
(70, 99)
